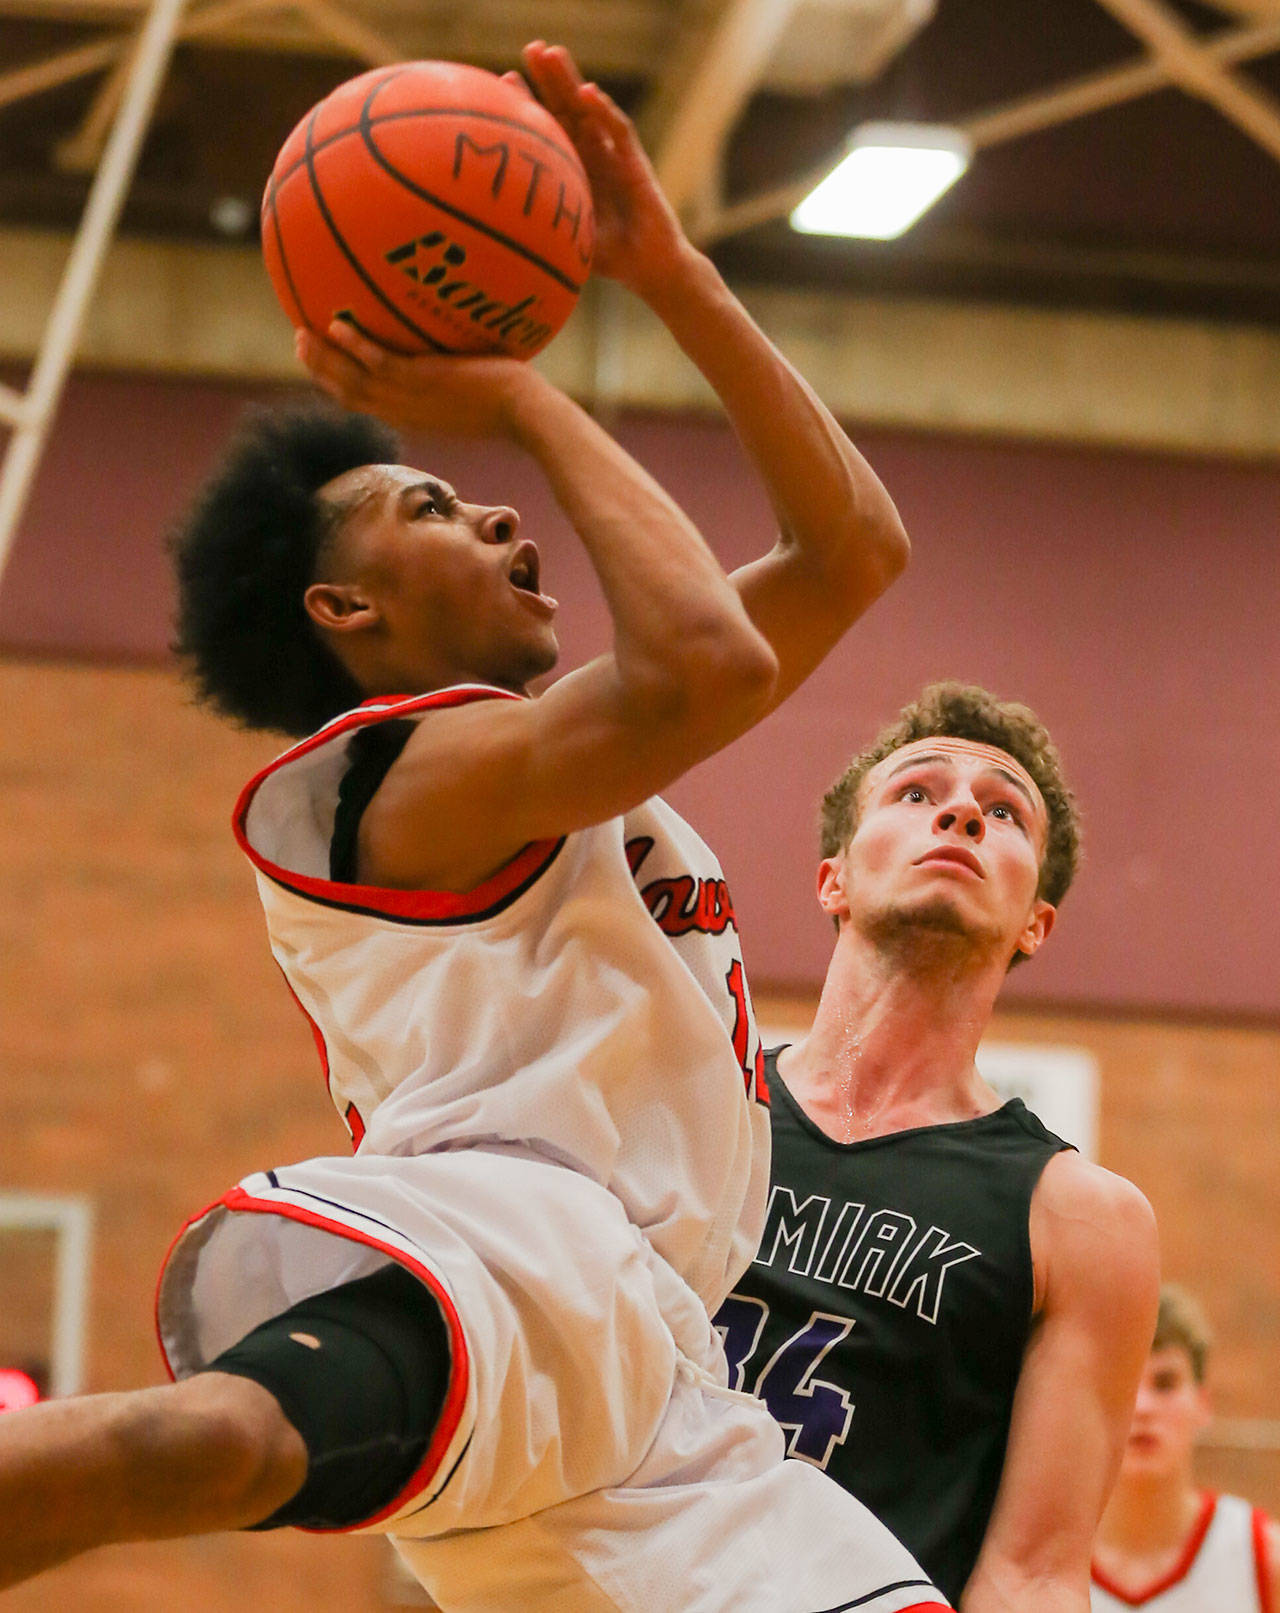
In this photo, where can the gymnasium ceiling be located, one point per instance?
(1128, 150)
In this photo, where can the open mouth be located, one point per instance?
(523, 573)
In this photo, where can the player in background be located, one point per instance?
(488, 1333)
(1166, 1545)
(950, 1307)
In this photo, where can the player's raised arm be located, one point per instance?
(841, 542)
(688, 671)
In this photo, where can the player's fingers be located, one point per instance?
(332, 370)
(562, 59)
(532, 57)
(517, 81)
(343, 335)
(556, 87)
(607, 110)
(321, 356)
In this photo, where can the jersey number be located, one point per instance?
(816, 1415)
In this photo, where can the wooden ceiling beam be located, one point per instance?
(1248, 8)
(342, 28)
(64, 68)
(714, 68)
(81, 151)
(1111, 87)
(1197, 71)
(1076, 98)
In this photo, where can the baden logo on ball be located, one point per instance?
(438, 207)
(432, 262)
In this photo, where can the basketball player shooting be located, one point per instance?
(487, 1334)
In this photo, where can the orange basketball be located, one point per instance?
(439, 207)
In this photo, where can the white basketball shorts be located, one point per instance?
(588, 1456)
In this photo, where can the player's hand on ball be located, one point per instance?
(639, 239)
(469, 397)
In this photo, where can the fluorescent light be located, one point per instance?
(890, 175)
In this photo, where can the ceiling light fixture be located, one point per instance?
(890, 175)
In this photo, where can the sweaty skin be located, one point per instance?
(697, 659)
(935, 893)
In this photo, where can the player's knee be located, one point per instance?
(241, 1450)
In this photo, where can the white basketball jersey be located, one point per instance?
(587, 1003)
(1223, 1567)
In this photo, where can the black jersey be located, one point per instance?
(884, 1319)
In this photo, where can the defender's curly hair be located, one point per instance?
(964, 711)
(246, 554)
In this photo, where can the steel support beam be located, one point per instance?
(106, 197)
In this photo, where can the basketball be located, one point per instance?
(437, 206)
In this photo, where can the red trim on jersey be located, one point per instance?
(1179, 1571)
(762, 1094)
(1259, 1526)
(238, 1201)
(440, 906)
(355, 1125)
(317, 1035)
(929, 1607)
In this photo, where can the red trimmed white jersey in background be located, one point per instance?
(555, 1084)
(1223, 1567)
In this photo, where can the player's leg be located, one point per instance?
(715, 1519)
(215, 1452)
(318, 1417)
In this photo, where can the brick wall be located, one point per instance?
(149, 1056)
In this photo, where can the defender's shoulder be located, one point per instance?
(1072, 1184)
(1094, 1239)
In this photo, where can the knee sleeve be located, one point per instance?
(361, 1372)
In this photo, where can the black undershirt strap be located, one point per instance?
(371, 752)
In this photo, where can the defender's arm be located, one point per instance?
(1097, 1265)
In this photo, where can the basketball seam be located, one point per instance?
(425, 112)
(549, 269)
(347, 253)
(372, 336)
(284, 259)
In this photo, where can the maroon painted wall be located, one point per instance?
(1134, 601)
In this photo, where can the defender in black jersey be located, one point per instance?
(950, 1309)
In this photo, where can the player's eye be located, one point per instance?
(914, 793)
(434, 502)
(1006, 811)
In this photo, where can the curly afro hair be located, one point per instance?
(245, 556)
